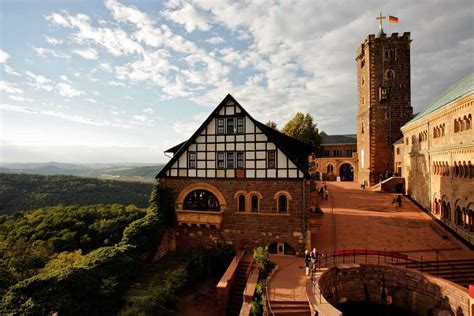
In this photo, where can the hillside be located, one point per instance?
(23, 192)
(124, 172)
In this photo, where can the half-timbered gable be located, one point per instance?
(231, 144)
(237, 180)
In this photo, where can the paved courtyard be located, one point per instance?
(362, 219)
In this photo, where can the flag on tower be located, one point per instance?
(392, 19)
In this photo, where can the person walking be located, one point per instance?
(307, 260)
(399, 201)
(313, 256)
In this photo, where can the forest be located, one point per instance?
(23, 192)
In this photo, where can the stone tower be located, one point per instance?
(383, 97)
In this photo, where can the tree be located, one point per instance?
(303, 129)
(272, 124)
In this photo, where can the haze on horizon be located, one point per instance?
(121, 81)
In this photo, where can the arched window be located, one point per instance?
(201, 200)
(282, 204)
(241, 203)
(463, 124)
(471, 169)
(456, 126)
(447, 168)
(389, 74)
(458, 217)
(330, 168)
(469, 122)
(255, 204)
(456, 169)
(436, 206)
(461, 170)
(448, 210)
(444, 210)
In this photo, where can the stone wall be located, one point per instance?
(429, 165)
(408, 289)
(254, 229)
(321, 164)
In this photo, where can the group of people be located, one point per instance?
(310, 260)
(323, 191)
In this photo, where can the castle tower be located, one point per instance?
(383, 92)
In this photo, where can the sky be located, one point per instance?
(121, 81)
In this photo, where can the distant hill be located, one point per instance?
(129, 172)
(23, 192)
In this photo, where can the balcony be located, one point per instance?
(199, 218)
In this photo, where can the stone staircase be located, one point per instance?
(290, 308)
(240, 281)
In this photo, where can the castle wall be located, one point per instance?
(439, 169)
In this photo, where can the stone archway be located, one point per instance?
(281, 248)
(346, 172)
(180, 201)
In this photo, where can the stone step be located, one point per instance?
(292, 312)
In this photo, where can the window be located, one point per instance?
(240, 125)
(230, 161)
(349, 152)
(337, 153)
(325, 153)
(330, 168)
(220, 126)
(282, 204)
(271, 159)
(220, 160)
(398, 151)
(240, 160)
(389, 54)
(389, 74)
(241, 203)
(201, 200)
(254, 203)
(362, 82)
(230, 126)
(407, 141)
(192, 160)
(362, 63)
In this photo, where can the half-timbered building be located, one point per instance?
(237, 181)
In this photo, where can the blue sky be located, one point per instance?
(120, 81)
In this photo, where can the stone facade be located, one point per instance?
(438, 158)
(337, 157)
(261, 228)
(383, 86)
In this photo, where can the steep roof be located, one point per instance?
(456, 91)
(295, 150)
(344, 139)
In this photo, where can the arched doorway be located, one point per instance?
(281, 248)
(346, 172)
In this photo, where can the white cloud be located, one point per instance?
(65, 78)
(39, 81)
(148, 110)
(116, 84)
(10, 70)
(66, 90)
(21, 99)
(142, 120)
(43, 52)
(116, 41)
(52, 40)
(88, 53)
(105, 67)
(9, 87)
(61, 115)
(90, 100)
(186, 128)
(215, 40)
(189, 17)
(3, 56)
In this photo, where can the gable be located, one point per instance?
(231, 144)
